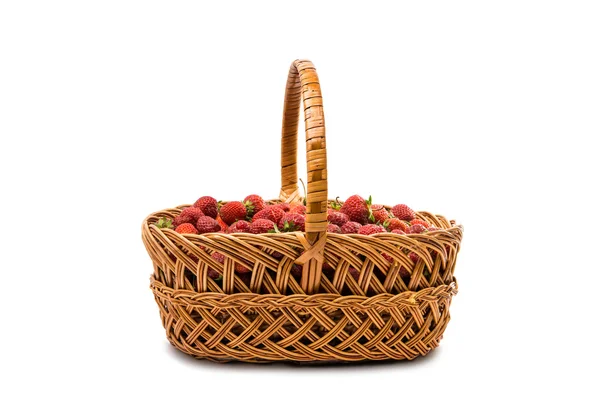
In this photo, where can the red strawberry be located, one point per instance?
(193, 212)
(419, 222)
(413, 257)
(261, 226)
(188, 215)
(331, 228)
(238, 267)
(233, 211)
(253, 203)
(416, 229)
(222, 224)
(337, 217)
(398, 231)
(219, 257)
(208, 205)
(206, 224)
(379, 214)
(403, 212)
(298, 209)
(371, 229)
(284, 206)
(186, 228)
(271, 213)
(432, 228)
(239, 227)
(178, 220)
(212, 273)
(291, 222)
(357, 209)
(404, 273)
(350, 227)
(354, 273)
(395, 223)
(296, 271)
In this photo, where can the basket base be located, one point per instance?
(322, 328)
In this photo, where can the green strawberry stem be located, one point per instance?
(303, 188)
(164, 223)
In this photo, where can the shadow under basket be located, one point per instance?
(306, 296)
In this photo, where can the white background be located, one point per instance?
(485, 112)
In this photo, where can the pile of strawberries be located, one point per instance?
(254, 215)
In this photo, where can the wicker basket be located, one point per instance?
(326, 314)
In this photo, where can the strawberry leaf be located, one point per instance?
(164, 223)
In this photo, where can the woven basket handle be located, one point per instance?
(303, 86)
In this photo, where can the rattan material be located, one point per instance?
(321, 327)
(325, 314)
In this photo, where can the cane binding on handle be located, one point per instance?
(303, 86)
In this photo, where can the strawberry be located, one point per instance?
(419, 222)
(192, 212)
(208, 205)
(212, 273)
(219, 257)
(296, 271)
(270, 212)
(284, 206)
(413, 257)
(337, 218)
(350, 227)
(206, 224)
(371, 229)
(239, 227)
(241, 269)
(233, 211)
(298, 209)
(416, 229)
(222, 224)
(395, 223)
(164, 223)
(291, 222)
(403, 212)
(238, 267)
(331, 228)
(432, 228)
(405, 274)
(188, 215)
(378, 214)
(398, 231)
(354, 273)
(186, 228)
(253, 203)
(262, 226)
(357, 209)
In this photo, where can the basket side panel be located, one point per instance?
(304, 328)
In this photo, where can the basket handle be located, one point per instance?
(303, 86)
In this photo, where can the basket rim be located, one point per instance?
(252, 299)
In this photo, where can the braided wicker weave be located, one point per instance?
(351, 301)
